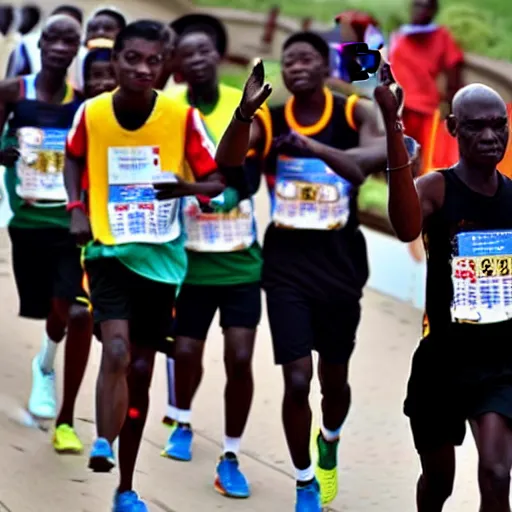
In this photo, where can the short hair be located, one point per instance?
(202, 23)
(96, 55)
(149, 30)
(316, 41)
(113, 13)
(71, 10)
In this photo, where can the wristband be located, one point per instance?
(240, 117)
(203, 199)
(75, 204)
(399, 168)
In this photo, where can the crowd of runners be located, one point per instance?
(130, 171)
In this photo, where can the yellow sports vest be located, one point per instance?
(163, 135)
(218, 120)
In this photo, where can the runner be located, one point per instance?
(40, 109)
(314, 255)
(133, 271)
(224, 270)
(26, 57)
(462, 369)
(99, 75)
(104, 25)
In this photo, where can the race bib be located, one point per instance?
(482, 277)
(219, 232)
(40, 167)
(135, 215)
(309, 195)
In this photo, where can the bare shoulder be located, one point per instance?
(366, 116)
(431, 188)
(10, 90)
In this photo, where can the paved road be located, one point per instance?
(378, 464)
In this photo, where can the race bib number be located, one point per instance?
(40, 167)
(482, 277)
(309, 195)
(219, 232)
(135, 215)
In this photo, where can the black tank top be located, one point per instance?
(28, 111)
(469, 263)
(323, 263)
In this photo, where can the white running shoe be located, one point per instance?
(43, 398)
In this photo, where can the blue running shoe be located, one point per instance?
(101, 458)
(230, 481)
(128, 501)
(308, 498)
(179, 445)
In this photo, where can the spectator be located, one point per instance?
(420, 53)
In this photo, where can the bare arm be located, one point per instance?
(233, 146)
(73, 171)
(355, 164)
(208, 186)
(404, 208)
(339, 161)
(409, 205)
(235, 142)
(371, 154)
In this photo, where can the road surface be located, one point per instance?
(378, 464)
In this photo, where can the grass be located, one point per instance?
(481, 27)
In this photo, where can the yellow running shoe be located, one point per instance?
(66, 441)
(327, 468)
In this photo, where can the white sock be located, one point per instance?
(47, 354)
(184, 416)
(232, 444)
(305, 475)
(330, 435)
(172, 412)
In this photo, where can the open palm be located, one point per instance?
(256, 91)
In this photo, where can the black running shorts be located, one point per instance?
(449, 386)
(46, 264)
(118, 293)
(239, 305)
(300, 325)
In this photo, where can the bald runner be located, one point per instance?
(462, 369)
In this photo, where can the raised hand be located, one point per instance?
(256, 91)
(389, 95)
